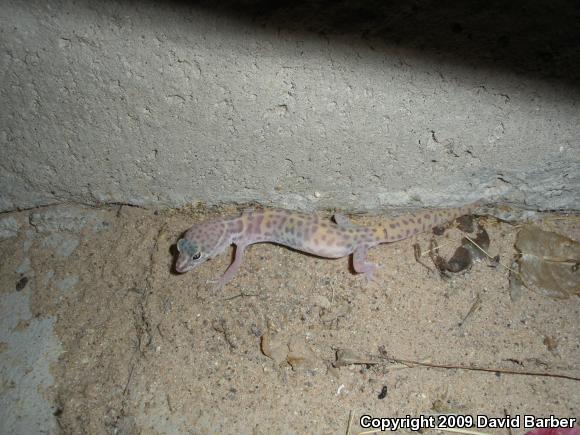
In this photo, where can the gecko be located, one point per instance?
(303, 232)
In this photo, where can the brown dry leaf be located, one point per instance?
(549, 262)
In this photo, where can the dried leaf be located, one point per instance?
(549, 262)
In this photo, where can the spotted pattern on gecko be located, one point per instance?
(303, 232)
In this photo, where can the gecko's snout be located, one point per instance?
(182, 265)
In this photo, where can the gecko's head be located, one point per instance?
(190, 255)
(200, 243)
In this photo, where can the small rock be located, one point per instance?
(383, 393)
(21, 283)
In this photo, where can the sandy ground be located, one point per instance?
(98, 335)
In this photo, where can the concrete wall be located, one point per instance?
(362, 107)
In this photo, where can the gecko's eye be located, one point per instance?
(196, 256)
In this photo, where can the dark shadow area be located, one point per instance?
(536, 38)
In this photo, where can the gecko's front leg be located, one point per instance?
(233, 268)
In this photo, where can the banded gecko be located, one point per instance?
(303, 232)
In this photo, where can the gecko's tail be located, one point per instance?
(447, 215)
(406, 226)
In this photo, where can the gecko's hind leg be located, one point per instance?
(361, 265)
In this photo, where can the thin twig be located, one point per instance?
(474, 307)
(129, 378)
(241, 295)
(505, 413)
(485, 369)
(350, 417)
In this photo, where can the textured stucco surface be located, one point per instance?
(166, 105)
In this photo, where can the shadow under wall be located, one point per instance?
(539, 39)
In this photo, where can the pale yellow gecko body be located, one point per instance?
(303, 232)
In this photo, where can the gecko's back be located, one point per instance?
(310, 233)
(300, 231)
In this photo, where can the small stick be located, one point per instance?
(485, 369)
(474, 307)
(241, 295)
(508, 426)
(350, 417)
